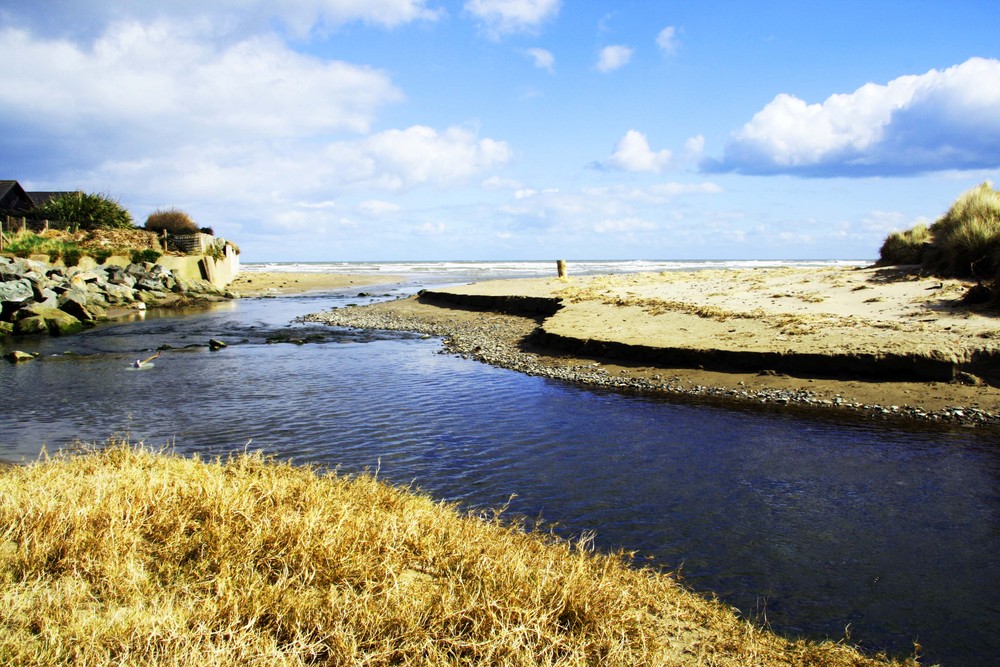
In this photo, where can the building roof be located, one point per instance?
(13, 198)
(39, 198)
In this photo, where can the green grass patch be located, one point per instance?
(25, 243)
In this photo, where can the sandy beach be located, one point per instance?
(277, 283)
(875, 341)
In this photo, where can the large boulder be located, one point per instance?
(119, 294)
(16, 291)
(81, 308)
(34, 325)
(39, 320)
(117, 275)
(149, 284)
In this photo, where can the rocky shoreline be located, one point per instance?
(512, 342)
(44, 299)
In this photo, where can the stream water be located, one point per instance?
(815, 526)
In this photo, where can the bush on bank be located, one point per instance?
(171, 221)
(963, 243)
(81, 211)
(127, 556)
(908, 247)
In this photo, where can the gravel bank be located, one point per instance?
(507, 341)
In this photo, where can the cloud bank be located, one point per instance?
(941, 120)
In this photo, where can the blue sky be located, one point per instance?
(329, 130)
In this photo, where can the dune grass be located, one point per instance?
(966, 239)
(125, 556)
(907, 247)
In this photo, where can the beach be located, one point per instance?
(879, 341)
(263, 283)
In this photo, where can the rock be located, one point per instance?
(6, 328)
(119, 293)
(74, 303)
(214, 344)
(47, 320)
(969, 379)
(17, 356)
(149, 284)
(81, 309)
(16, 291)
(33, 325)
(150, 297)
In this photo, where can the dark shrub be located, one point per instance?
(207, 230)
(171, 221)
(71, 256)
(78, 210)
(140, 256)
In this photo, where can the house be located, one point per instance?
(39, 198)
(13, 199)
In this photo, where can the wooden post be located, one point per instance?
(561, 268)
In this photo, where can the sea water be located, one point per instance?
(816, 526)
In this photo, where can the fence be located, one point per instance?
(15, 224)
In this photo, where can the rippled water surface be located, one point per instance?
(813, 526)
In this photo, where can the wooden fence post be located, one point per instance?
(561, 268)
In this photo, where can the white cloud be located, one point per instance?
(375, 208)
(147, 81)
(624, 226)
(634, 154)
(300, 17)
(659, 193)
(667, 40)
(613, 57)
(431, 228)
(397, 159)
(507, 16)
(500, 183)
(694, 147)
(543, 59)
(388, 13)
(940, 120)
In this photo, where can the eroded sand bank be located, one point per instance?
(876, 340)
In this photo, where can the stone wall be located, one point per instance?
(219, 271)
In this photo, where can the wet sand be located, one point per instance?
(278, 283)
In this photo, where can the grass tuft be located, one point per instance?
(902, 248)
(967, 237)
(123, 555)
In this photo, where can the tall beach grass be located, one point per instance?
(963, 243)
(125, 556)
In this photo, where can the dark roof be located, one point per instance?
(13, 198)
(39, 198)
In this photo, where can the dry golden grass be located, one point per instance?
(125, 556)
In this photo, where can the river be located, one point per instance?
(817, 527)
